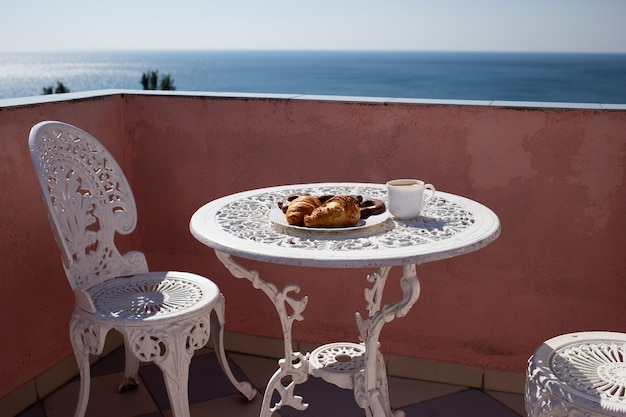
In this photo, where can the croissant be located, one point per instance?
(339, 211)
(300, 207)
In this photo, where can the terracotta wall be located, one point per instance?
(554, 176)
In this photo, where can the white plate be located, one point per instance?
(278, 217)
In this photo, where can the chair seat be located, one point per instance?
(155, 296)
(580, 374)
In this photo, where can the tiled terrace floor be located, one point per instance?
(210, 394)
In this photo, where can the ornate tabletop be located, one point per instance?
(240, 225)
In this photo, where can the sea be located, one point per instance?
(509, 76)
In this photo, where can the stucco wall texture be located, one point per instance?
(554, 176)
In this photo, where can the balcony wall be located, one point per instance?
(554, 175)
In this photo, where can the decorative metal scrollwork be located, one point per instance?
(582, 377)
(87, 336)
(596, 369)
(158, 344)
(281, 299)
(89, 200)
(144, 296)
(293, 371)
(247, 219)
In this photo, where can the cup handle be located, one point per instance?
(432, 190)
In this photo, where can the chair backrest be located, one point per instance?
(88, 200)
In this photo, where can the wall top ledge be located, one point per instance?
(50, 98)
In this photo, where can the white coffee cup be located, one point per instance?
(407, 197)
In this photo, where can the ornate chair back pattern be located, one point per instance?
(88, 200)
(164, 316)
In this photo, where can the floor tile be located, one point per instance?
(403, 392)
(469, 403)
(230, 406)
(206, 381)
(211, 394)
(20, 399)
(258, 370)
(513, 401)
(104, 400)
(34, 411)
(113, 362)
(47, 383)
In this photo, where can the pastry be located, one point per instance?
(300, 207)
(371, 207)
(338, 211)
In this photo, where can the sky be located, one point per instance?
(434, 25)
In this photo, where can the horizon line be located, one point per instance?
(133, 50)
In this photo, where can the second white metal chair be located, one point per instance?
(578, 375)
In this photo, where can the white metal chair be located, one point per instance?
(578, 375)
(163, 316)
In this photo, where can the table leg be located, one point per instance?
(293, 368)
(370, 385)
(371, 392)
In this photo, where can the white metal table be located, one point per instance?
(240, 225)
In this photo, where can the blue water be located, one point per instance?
(547, 77)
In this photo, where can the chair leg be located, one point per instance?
(86, 338)
(217, 333)
(176, 376)
(167, 348)
(82, 359)
(131, 370)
